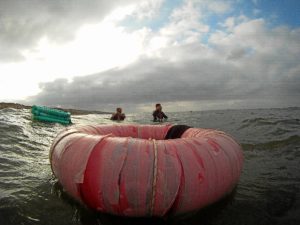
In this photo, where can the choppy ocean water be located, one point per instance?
(268, 191)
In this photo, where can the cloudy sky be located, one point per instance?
(186, 54)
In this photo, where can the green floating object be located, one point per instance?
(51, 119)
(53, 112)
(46, 114)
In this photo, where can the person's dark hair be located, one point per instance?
(157, 104)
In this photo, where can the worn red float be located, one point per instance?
(132, 170)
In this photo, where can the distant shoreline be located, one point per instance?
(4, 105)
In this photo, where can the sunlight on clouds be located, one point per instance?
(107, 45)
(157, 43)
(102, 46)
(120, 13)
(96, 47)
(15, 85)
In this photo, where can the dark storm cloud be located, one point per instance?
(152, 80)
(249, 66)
(145, 81)
(24, 22)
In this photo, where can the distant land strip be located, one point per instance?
(4, 105)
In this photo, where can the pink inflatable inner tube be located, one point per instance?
(146, 170)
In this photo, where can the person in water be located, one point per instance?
(158, 114)
(118, 115)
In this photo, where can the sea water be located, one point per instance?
(268, 191)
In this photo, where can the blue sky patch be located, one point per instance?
(275, 12)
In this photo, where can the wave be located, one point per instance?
(292, 140)
(259, 121)
(270, 139)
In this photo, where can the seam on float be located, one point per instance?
(122, 167)
(176, 201)
(154, 176)
(102, 137)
